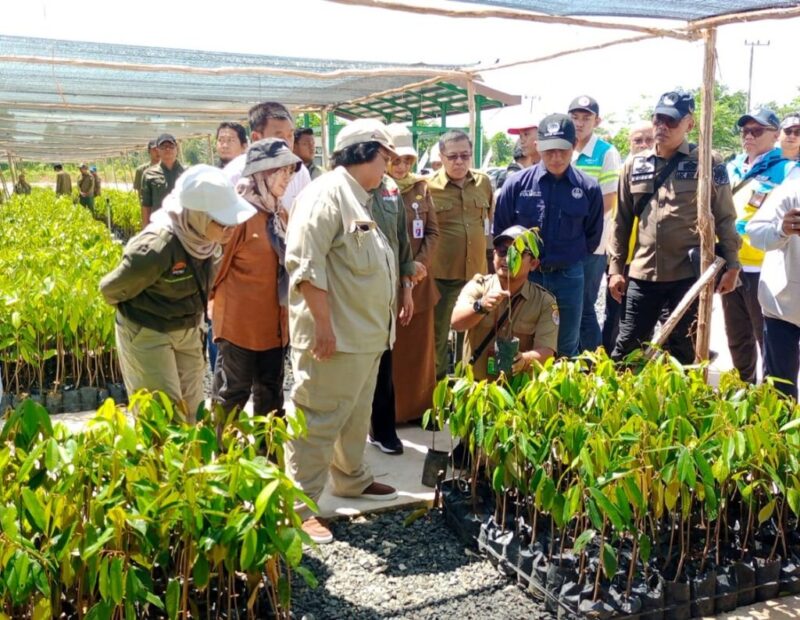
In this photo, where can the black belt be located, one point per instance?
(553, 268)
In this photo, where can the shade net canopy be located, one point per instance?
(67, 100)
(688, 10)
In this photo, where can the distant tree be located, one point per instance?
(621, 140)
(728, 107)
(502, 149)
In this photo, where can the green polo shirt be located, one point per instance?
(157, 183)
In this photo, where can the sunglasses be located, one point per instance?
(503, 252)
(792, 131)
(756, 132)
(668, 121)
(457, 156)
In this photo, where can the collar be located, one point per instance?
(360, 193)
(539, 171)
(440, 180)
(588, 149)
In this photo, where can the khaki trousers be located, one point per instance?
(336, 399)
(168, 361)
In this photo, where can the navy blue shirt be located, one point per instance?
(568, 212)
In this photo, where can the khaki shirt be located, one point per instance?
(464, 217)
(419, 206)
(97, 184)
(63, 184)
(387, 210)
(535, 319)
(86, 185)
(137, 178)
(333, 243)
(667, 228)
(157, 183)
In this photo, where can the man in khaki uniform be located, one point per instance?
(484, 301)
(86, 187)
(159, 179)
(63, 181)
(463, 201)
(154, 159)
(22, 186)
(659, 187)
(97, 183)
(342, 313)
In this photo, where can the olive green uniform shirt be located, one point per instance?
(333, 243)
(157, 183)
(97, 184)
(535, 320)
(388, 211)
(667, 228)
(63, 184)
(22, 187)
(86, 185)
(157, 284)
(464, 216)
(137, 178)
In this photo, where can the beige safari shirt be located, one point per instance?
(333, 242)
(535, 320)
(667, 228)
(464, 216)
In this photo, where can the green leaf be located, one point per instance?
(42, 609)
(248, 551)
(584, 539)
(607, 508)
(200, 571)
(102, 578)
(101, 611)
(645, 547)
(309, 577)
(609, 561)
(35, 509)
(115, 581)
(793, 497)
(686, 471)
(262, 501)
(790, 425)
(766, 512)
(173, 598)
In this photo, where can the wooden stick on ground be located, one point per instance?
(683, 306)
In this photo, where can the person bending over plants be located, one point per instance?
(160, 288)
(510, 321)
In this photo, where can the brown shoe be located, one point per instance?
(379, 492)
(317, 530)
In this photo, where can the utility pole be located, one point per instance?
(753, 45)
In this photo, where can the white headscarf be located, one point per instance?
(189, 226)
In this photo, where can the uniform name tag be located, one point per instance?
(487, 226)
(756, 200)
(642, 169)
(418, 229)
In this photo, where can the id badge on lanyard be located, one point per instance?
(417, 225)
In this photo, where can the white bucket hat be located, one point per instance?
(207, 189)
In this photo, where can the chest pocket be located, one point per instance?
(571, 217)
(362, 251)
(529, 211)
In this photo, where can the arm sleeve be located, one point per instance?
(609, 176)
(314, 224)
(142, 265)
(594, 222)
(504, 210)
(725, 222)
(472, 292)
(765, 229)
(431, 239)
(621, 226)
(147, 191)
(407, 267)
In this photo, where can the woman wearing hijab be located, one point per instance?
(249, 293)
(413, 358)
(161, 286)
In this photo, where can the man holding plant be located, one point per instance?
(482, 310)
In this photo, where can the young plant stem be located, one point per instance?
(749, 525)
(596, 592)
(634, 559)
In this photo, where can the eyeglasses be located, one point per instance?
(756, 132)
(503, 252)
(457, 156)
(792, 131)
(668, 121)
(224, 140)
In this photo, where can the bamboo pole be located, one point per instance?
(740, 18)
(472, 124)
(705, 219)
(210, 151)
(324, 137)
(483, 13)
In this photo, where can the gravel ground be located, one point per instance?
(377, 567)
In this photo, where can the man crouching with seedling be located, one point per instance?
(510, 321)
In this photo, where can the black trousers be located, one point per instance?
(782, 353)
(644, 302)
(744, 325)
(240, 372)
(382, 423)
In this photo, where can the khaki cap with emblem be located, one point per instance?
(403, 140)
(364, 130)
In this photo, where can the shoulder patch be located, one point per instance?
(554, 314)
(720, 175)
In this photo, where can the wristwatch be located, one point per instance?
(477, 307)
(407, 284)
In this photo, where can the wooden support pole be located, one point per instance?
(324, 125)
(472, 126)
(688, 299)
(705, 219)
(210, 151)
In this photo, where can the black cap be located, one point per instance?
(763, 116)
(584, 103)
(556, 131)
(512, 233)
(791, 121)
(165, 137)
(269, 154)
(675, 104)
(152, 144)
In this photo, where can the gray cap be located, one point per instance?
(675, 104)
(791, 121)
(269, 154)
(512, 233)
(556, 131)
(763, 116)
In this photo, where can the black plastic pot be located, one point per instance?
(6, 403)
(118, 393)
(72, 401)
(458, 510)
(507, 350)
(102, 395)
(703, 589)
(790, 577)
(726, 590)
(559, 572)
(745, 583)
(628, 607)
(54, 402)
(597, 609)
(538, 580)
(768, 574)
(651, 594)
(88, 397)
(677, 597)
(435, 462)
